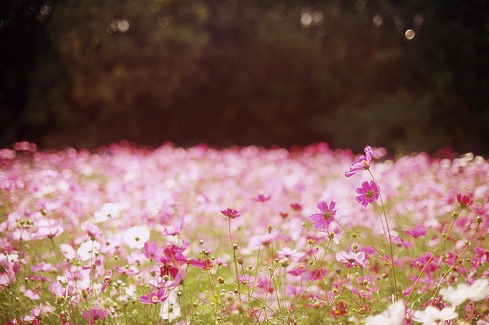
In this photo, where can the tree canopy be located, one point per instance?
(408, 75)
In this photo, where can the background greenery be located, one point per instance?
(85, 73)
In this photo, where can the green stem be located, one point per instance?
(389, 241)
(445, 237)
(234, 256)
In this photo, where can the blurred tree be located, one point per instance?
(453, 44)
(21, 39)
(250, 72)
(114, 68)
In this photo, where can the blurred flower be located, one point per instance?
(479, 290)
(36, 313)
(8, 269)
(136, 237)
(47, 229)
(432, 314)
(230, 213)
(369, 192)
(262, 198)
(393, 315)
(417, 231)
(153, 251)
(363, 162)
(95, 314)
(25, 146)
(109, 210)
(170, 309)
(351, 259)
(29, 293)
(322, 220)
(92, 230)
(154, 298)
(172, 230)
(88, 250)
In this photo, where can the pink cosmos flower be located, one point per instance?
(172, 230)
(48, 229)
(92, 230)
(351, 259)
(154, 298)
(29, 293)
(262, 198)
(230, 213)
(153, 251)
(8, 270)
(464, 200)
(36, 313)
(418, 231)
(369, 192)
(363, 162)
(325, 217)
(95, 314)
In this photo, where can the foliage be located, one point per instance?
(82, 74)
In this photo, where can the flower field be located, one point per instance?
(244, 235)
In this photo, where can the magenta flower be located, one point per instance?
(369, 192)
(322, 220)
(230, 213)
(95, 314)
(363, 162)
(154, 298)
(464, 200)
(351, 259)
(418, 231)
(153, 251)
(262, 198)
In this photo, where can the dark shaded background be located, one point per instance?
(86, 73)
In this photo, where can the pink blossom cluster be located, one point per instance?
(86, 236)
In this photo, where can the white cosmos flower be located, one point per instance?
(393, 315)
(432, 315)
(109, 210)
(477, 291)
(170, 309)
(68, 251)
(135, 237)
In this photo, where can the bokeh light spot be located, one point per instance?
(409, 34)
(377, 20)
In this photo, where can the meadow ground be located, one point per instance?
(128, 235)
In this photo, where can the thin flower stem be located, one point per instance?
(391, 249)
(329, 307)
(270, 279)
(58, 259)
(256, 271)
(444, 239)
(446, 273)
(310, 281)
(234, 255)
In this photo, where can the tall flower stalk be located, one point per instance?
(369, 192)
(233, 214)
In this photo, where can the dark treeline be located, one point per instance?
(86, 73)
